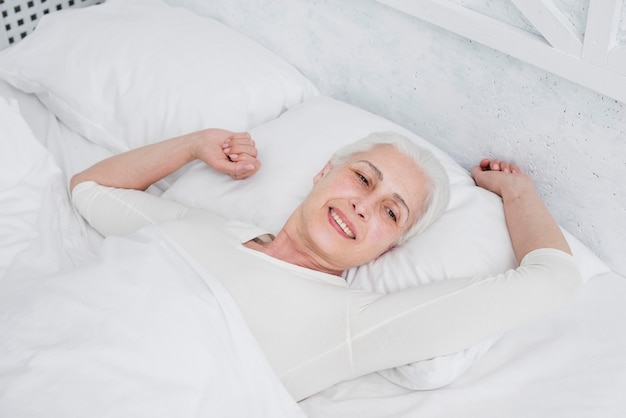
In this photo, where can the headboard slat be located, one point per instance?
(20, 17)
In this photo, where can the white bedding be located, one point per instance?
(139, 330)
(570, 364)
(37, 221)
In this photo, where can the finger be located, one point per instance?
(236, 148)
(242, 137)
(237, 169)
(244, 141)
(484, 164)
(476, 170)
(242, 149)
(244, 169)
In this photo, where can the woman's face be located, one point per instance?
(359, 209)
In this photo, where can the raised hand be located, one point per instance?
(530, 224)
(232, 153)
(500, 176)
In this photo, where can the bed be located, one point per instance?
(76, 341)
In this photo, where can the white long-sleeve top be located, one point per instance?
(314, 329)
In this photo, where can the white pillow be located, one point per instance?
(130, 72)
(470, 239)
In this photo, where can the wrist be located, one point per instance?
(520, 186)
(190, 146)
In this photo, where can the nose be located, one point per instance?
(361, 207)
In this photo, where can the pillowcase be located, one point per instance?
(130, 72)
(470, 239)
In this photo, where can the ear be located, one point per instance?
(323, 172)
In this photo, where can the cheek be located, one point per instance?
(384, 234)
(331, 187)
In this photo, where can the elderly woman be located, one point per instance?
(369, 198)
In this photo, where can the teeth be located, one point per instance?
(342, 224)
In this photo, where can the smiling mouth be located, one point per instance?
(345, 228)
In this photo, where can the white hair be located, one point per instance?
(438, 193)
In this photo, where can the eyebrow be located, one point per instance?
(379, 175)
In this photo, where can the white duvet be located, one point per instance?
(38, 230)
(137, 331)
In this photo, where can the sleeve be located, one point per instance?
(448, 316)
(438, 371)
(114, 211)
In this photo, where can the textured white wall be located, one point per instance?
(467, 99)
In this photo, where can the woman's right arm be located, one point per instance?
(117, 211)
(227, 152)
(110, 196)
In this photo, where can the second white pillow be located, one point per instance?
(130, 72)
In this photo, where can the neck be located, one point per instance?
(284, 247)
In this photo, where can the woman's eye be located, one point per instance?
(392, 215)
(362, 178)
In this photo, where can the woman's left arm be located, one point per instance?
(450, 315)
(227, 152)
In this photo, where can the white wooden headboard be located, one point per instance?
(588, 54)
(20, 17)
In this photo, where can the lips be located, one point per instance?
(341, 223)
